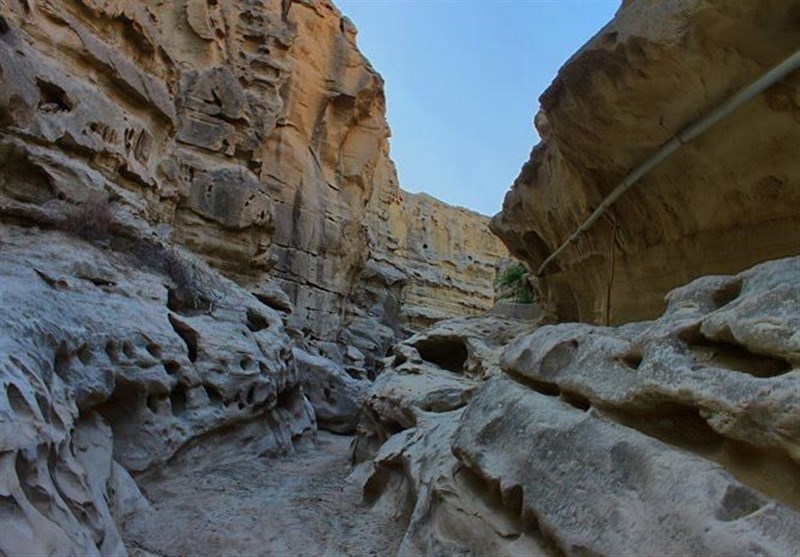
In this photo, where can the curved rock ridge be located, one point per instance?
(723, 203)
(677, 436)
(254, 130)
(106, 371)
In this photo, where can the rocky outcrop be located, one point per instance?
(336, 392)
(106, 370)
(721, 204)
(434, 371)
(254, 131)
(672, 437)
(448, 254)
(189, 248)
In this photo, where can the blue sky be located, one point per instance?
(463, 78)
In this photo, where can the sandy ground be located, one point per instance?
(298, 505)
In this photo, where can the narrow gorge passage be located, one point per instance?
(299, 504)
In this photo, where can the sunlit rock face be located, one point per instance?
(255, 130)
(724, 202)
(677, 436)
(448, 254)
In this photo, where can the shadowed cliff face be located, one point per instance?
(720, 204)
(254, 130)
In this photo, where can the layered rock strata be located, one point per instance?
(254, 130)
(672, 437)
(724, 202)
(448, 254)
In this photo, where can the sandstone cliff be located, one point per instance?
(253, 132)
(726, 201)
(448, 254)
(190, 264)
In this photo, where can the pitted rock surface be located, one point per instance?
(676, 436)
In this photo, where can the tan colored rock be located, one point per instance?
(448, 254)
(256, 131)
(672, 437)
(721, 204)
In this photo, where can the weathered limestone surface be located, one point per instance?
(254, 130)
(104, 371)
(248, 135)
(723, 203)
(672, 437)
(448, 254)
(433, 371)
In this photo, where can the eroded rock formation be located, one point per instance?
(255, 130)
(190, 194)
(672, 437)
(721, 204)
(105, 372)
(447, 253)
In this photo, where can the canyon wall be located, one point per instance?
(252, 132)
(726, 201)
(448, 254)
(192, 252)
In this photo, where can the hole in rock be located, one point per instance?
(152, 403)
(576, 400)
(738, 502)
(127, 349)
(187, 334)
(214, 394)
(448, 353)
(21, 408)
(154, 349)
(101, 282)
(727, 293)
(53, 97)
(727, 355)
(124, 403)
(84, 353)
(559, 357)
(32, 486)
(632, 359)
(172, 367)
(246, 363)
(251, 393)
(177, 399)
(61, 360)
(112, 351)
(770, 472)
(255, 321)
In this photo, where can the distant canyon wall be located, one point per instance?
(726, 201)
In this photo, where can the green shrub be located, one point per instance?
(514, 280)
(513, 275)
